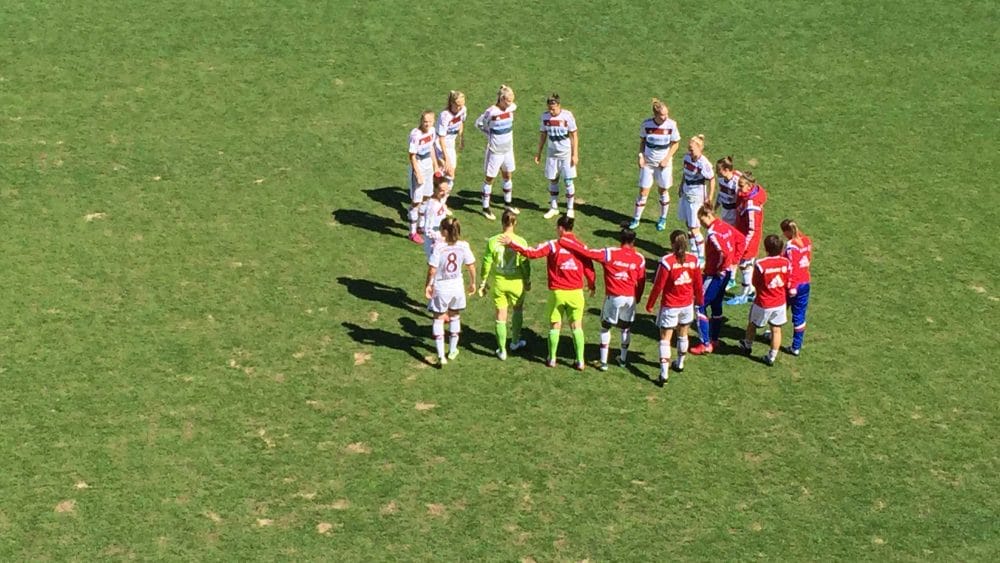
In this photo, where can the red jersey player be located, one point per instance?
(624, 283)
(723, 248)
(750, 222)
(678, 288)
(772, 277)
(566, 272)
(798, 250)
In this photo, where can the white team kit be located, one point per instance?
(726, 198)
(449, 286)
(498, 124)
(447, 129)
(657, 138)
(559, 146)
(422, 145)
(696, 174)
(436, 212)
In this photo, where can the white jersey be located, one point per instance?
(449, 259)
(498, 124)
(558, 128)
(696, 172)
(422, 145)
(657, 138)
(436, 212)
(449, 124)
(728, 190)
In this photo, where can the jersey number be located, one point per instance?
(451, 263)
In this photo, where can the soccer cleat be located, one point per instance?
(634, 224)
(738, 300)
(489, 214)
(767, 359)
(702, 349)
(731, 284)
(512, 209)
(716, 345)
(603, 367)
(793, 351)
(501, 353)
(442, 361)
(664, 376)
(551, 213)
(453, 354)
(517, 345)
(570, 213)
(745, 347)
(416, 238)
(550, 363)
(579, 366)
(678, 367)
(661, 224)
(622, 361)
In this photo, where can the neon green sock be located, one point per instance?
(501, 331)
(553, 343)
(516, 321)
(578, 344)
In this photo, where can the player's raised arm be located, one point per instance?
(540, 251)
(576, 247)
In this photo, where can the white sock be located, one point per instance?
(421, 213)
(454, 328)
(570, 195)
(626, 341)
(640, 206)
(437, 329)
(664, 205)
(414, 216)
(487, 190)
(605, 343)
(747, 276)
(508, 190)
(682, 350)
(554, 195)
(664, 356)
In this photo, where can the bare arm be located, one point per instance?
(574, 141)
(542, 137)
(642, 152)
(429, 289)
(415, 166)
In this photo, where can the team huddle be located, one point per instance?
(690, 282)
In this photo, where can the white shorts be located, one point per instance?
(664, 176)
(449, 152)
(728, 216)
(670, 317)
(420, 192)
(689, 205)
(618, 308)
(556, 166)
(775, 316)
(445, 300)
(493, 162)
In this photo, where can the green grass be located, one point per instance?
(182, 368)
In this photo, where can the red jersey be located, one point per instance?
(678, 280)
(566, 269)
(724, 247)
(772, 278)
(750, 219)
(800, 255)
(624, 268)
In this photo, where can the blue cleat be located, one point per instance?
(738, 300)
(661, 224)
(634, 224)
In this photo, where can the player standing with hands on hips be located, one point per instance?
(658, 138)
(423, 166)
(558, 129)
(497, 122)
(444, 286)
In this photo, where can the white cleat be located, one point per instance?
(512, 209)
(501, 354)
(489, 214)
(570, 213)
(551, 213)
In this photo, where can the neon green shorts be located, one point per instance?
(507, 293)
(565, 301)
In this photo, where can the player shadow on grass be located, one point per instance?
(383, 338)
(368, 222)
(479, 343)
(395, 198)
(470, 197)
(375, 291)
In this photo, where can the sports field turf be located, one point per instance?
(214, 343)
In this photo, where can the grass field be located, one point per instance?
(199, 361)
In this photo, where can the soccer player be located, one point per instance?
(798, 250)
(693, 195)
(750, 222)
(558, 128)
(423, 166)
(435, 213)
(677, 286)
(497, 122)
(508, 275)
(566, 273)
(729, 177)
(658, 138)
(772, 280)
(444, 286)
(624, 283)
(450, 132)
(723, 248)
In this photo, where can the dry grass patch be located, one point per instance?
(214, 517)
(361, 357)
(421, 406)
(324, 528)
(81, 485)
(90, 217)
(436, 510)
(66, 507)
(264, 522)
(358, 448)
(389, 508)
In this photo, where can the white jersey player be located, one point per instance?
(436, 212)
(558, 131)
(658, 138)
(697, 188)
(729, 179)
(497, 122)
(423, 166)
(445, 288)
(450, 132)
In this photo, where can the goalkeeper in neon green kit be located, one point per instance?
(508, 275)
